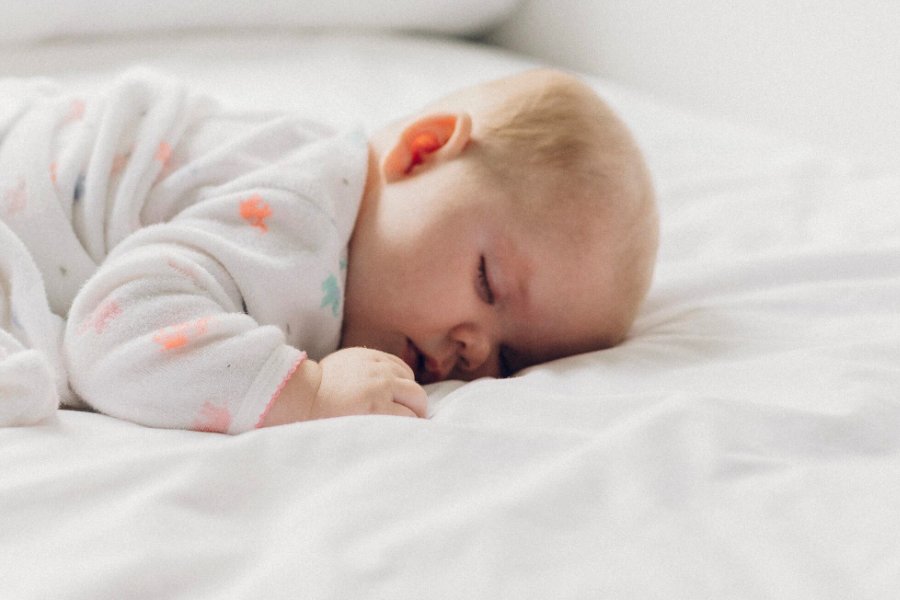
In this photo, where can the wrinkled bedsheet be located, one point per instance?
(743, 443)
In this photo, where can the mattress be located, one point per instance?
(743, 442)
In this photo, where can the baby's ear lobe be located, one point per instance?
(429, 139)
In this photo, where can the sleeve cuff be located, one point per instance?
(265, 389)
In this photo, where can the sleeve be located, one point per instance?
(158, 337)
(197, 321)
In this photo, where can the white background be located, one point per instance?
(824, 71)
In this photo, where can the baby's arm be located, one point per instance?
(159, 337)
(193, 322)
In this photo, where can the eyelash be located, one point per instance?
(488, 295)
(483, 282)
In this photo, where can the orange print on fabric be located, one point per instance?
(163, 153)
(171, 340)
(178, 336)
(255, 210)
(76, 111)
(100, 319)
(15, 199)
(186, 272)
(106, 312)
(212, 418)
(120, 161)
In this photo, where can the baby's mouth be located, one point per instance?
(416, 361)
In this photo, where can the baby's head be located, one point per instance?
(507, 224)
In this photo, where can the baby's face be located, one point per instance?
(445, 273)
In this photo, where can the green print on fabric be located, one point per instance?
(332, 295)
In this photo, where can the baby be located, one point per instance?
(176, 265)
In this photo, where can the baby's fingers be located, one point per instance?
(399, 366)
(410, 394)
(396, 410)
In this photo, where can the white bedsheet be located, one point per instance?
(743, 443)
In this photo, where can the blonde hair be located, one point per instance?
(541, 119)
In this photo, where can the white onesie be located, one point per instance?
(196, 255)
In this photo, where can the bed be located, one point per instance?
(744, 442)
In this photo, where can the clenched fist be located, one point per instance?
(352, 381)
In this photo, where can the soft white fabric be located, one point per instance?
(220, 239)
(41, 19)
(744, 443)
(32, 377)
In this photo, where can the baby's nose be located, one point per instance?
(473, 353)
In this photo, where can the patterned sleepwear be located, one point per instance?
(163, 260)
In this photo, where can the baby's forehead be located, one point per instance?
(566, 215)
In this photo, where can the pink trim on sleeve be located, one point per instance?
(278, 391)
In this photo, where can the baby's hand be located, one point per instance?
(359, 381)
(353, 381)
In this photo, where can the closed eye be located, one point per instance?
(484, 284)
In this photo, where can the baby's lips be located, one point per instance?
(430, 370)
(410, 354)
(437, 371)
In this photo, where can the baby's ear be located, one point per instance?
(429, 139)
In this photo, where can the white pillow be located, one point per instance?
(33, 20)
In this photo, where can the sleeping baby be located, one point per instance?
(177, 265)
